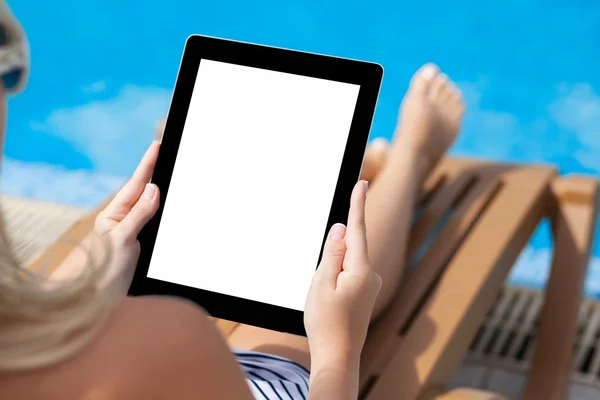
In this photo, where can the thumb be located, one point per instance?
(129, 228)
(333, 255)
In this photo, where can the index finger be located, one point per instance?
(356, 232)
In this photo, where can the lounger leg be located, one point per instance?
(573, 226)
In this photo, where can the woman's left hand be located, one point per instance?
(131, 208)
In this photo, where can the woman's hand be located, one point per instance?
(343, 292)
(132, 207)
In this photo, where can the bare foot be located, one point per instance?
(375, 157)
(430, 116)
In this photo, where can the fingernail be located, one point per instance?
(337, 232)
(366, 183)
(149, 192)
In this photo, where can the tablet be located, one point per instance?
(261, 150)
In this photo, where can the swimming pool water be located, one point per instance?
(102, 71)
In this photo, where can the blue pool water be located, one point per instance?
(102, 71)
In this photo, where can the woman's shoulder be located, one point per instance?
(149, 345)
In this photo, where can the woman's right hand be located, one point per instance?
(343, 292)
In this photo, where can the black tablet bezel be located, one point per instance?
(367, 75)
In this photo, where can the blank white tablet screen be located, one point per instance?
(253, 183)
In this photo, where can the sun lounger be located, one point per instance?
(474, 219)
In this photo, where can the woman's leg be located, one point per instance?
(375, 157)
(429, 121)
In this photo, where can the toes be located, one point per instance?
(160, 129)
(379, 145)
(375, 157)
(445, 93)
(454, 97)
(444, 90)
(423, 78)
(451, 93)
(460, 108)
(378, 150)
(439, 86)
(455, 104)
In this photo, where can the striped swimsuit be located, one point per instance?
(272, 377)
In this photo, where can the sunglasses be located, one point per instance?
(13, 62)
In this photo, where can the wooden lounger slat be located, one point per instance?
(474, 219)
(55, 254)
(418, 282)
(434, 211)
(433, 182)
(439, 337)
(226, 327)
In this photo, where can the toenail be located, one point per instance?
(428, 72)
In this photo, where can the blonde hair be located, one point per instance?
(42, 320)
(45, 321)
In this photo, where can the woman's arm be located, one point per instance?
(158, 348)
(335, 380)
(197, 361)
